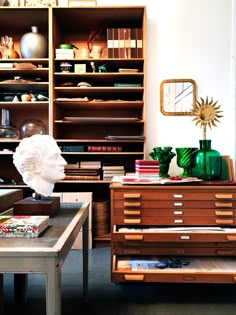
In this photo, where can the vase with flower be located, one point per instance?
(206, 162)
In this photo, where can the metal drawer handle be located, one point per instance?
(178, 204)
(132, 221)
(132, 196)
(132, 212)
(224, 196)
(224, 213)
(189, 278)
(133, 237)
(177, 196)
(225, 222)
(231, 237)
(134, 277)
(224, 252)
(224, 204)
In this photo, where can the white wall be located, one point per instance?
(189, 39)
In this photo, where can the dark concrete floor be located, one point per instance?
(107, 298)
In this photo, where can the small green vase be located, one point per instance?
(206, 163)
(163, 170)
(184, 156)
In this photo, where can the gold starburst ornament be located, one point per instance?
(206, 113)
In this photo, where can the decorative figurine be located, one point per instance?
(102, 68)
(92, 64)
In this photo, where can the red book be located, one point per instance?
(115, 43)
(121, 37)
(133, 43)
(139, 42)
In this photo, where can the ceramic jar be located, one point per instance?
(33, 44)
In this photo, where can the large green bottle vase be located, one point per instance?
(206, 162)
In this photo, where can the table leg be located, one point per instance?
(53, 290)
(85, 259)
(20, 287)
(1, 294)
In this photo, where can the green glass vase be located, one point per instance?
(164, 169)
(184, 156)
(206, 162)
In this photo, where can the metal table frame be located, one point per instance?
(47, 253)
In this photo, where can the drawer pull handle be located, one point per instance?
(224, 252)
(177, 196)
(134, 277)
(132, 221)
(177, 212)
(178, 221)
(133, 237)
(224, 213)
(234, 278)
(132, 204)
(224, 204)
(189, 278)
(132, 212)
(231, 237)
(224, 196)
(178, 204)
(225, 222)
(132, 196)
(185, 237)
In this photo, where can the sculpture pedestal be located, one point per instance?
(32, 206)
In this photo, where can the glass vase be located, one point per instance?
(184, 157)
(6, 130)
(164, 169)
(206, 162)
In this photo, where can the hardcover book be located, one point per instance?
(22, 226)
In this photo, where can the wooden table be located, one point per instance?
(46, 253)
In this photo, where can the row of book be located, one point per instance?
(64, 53)
(93, 170)
(85, 170)
(109, 171)
(125, 42)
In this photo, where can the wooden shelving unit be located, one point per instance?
(104, 100)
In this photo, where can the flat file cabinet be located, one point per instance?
(195, 223)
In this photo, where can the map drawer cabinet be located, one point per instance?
(194, 224)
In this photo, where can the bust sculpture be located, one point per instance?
(38, 159)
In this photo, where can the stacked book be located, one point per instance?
(125, 43)
(64, 53)
(148, 169)
(78, 172)
(111, 170)
(22, 226)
